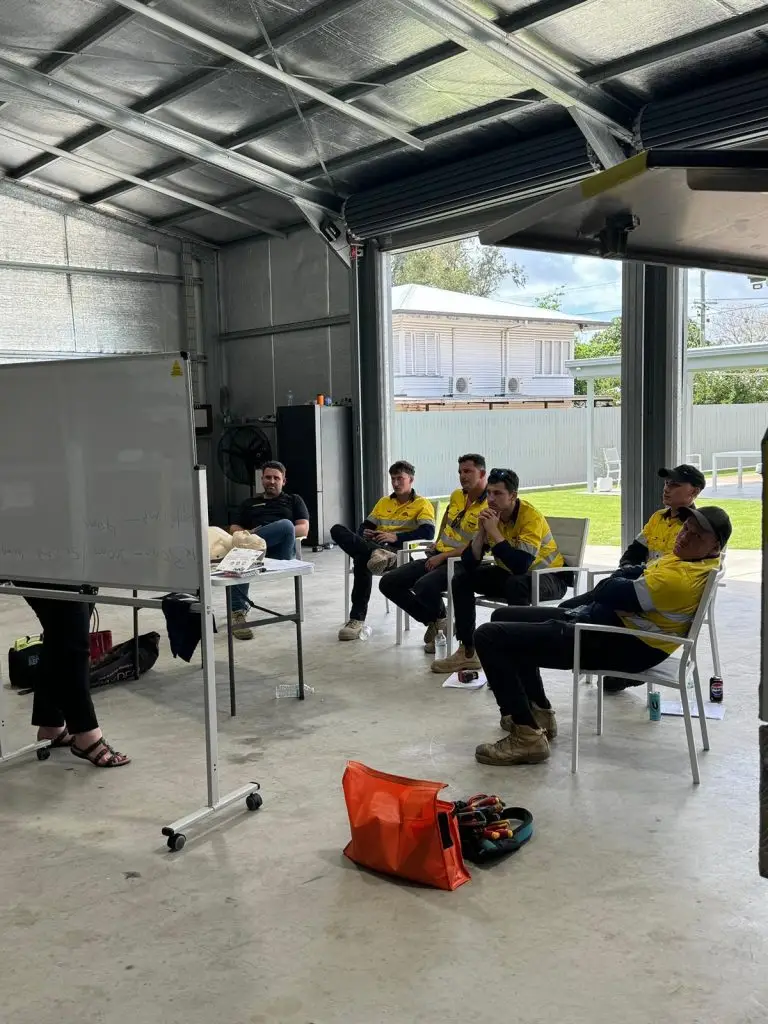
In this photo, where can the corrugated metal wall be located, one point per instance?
(548, 446)
(71, 286)
(290, 285)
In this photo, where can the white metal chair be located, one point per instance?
(347, 585)
(694, 460)
(673, 673)
(612, 461)
(571, 537)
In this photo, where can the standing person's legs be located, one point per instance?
(62, 707)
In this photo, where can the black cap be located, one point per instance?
(685, 474)
(711, 518)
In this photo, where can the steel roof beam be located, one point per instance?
(180, 28)
(520, 58)
(295, 30)
(386, 76)
(164, 190)
(125, 120)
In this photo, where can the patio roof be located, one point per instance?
(709, 357)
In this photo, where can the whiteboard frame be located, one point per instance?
(192, 466)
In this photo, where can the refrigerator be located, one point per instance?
(314, 442)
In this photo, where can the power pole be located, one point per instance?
(703, 309)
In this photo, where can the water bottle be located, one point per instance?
(289, 398)
(441, 646)
(291, 690)
(365, 632)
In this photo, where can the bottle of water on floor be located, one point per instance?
(441, 646)
(365, 632)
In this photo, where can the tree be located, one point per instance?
(739, 326)
(552, 300)
(462, 266)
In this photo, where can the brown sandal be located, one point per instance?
(95, 754)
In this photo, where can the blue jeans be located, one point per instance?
(280, 538)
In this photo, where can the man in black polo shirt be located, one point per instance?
(276, 516)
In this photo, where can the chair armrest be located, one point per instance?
(593, 627)
(417, 545)
(560, 568)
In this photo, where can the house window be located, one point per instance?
(550, 357)
(417, 354)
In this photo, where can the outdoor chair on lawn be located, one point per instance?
(673, 673)
(612, 461)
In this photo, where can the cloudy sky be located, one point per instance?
(593, 286)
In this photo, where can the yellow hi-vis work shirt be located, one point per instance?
(393, 516)
(529, 531)
(659, 533)
(461, 521)
(669, 592)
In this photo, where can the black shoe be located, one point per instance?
(613, 684)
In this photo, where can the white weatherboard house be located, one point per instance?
(456, 345)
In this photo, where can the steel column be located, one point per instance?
(369, 311)
(653, 321)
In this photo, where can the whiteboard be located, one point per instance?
(97, 479)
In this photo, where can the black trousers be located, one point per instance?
(417, 590)
(359, 550)
(63, 693)
(492, 581)
(517, 642)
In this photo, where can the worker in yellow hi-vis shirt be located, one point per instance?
(520, 540)
(397, 518)
(418, 586)
(682, 486)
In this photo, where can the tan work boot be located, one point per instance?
(432, 630)
(456, 662)
(240, 630)
(381, 561)
(353, 630)
(523, 746)
(545, 719)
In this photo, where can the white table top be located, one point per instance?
(293, 568)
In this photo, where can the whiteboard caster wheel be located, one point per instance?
(177, 841)
(43, 753)
(254, 801)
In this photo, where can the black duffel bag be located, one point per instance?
(118, 664)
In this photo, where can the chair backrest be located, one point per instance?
(612, 460)
(571, 537)
(710, 589)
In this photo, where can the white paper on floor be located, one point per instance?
(452, 682)
(674, 707)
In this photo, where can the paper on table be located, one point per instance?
(452, 682)
(282, 564)
(674, 707)
(238, 562)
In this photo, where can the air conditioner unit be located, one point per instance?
(513, 386)
(462, 386)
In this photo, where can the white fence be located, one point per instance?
(548, 446)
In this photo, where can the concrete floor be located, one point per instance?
(637, 900)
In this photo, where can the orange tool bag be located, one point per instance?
(400, 827)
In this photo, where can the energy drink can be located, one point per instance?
(654, 706)
(468, 675)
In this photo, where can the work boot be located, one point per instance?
(352, 631)
(381, 561)
(240, 630)
(545, 719)
(524, 745)
(456, 662)
(432, 630)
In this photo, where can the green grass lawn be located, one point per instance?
(604, 512)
